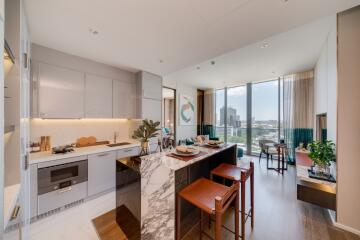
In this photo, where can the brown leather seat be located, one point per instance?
(212, 198)
(202, 193)
(239, 175)
(232, 172)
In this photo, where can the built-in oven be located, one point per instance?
(62, 176)
(61, 185)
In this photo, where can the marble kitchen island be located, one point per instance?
(162, 176)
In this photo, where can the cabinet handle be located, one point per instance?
(15, 212)
(25, 61)
(64, 190)
(103, 155)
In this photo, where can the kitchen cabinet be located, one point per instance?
(98, 97)
(101, 172)
(151, 109)
(124, 99)
(128, 152)
(61, 92)
(149, 91)
(151, 85)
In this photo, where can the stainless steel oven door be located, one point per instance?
(61, 176)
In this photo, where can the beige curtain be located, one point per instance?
(209, 107)
(299, 100)
(298, 110)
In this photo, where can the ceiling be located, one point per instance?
(163, 36)
(290, 52)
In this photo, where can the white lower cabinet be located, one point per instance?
(101, 172)
(128, 152)
(59, 198)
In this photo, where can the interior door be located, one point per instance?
(24, 197)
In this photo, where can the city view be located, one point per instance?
(236, 129)
(264, 111)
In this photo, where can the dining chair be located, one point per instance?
(269, 152)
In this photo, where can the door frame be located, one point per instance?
(175, 107)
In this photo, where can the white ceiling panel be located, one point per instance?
(137, 34)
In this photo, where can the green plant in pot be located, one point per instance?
(322, 154)
(148, 129)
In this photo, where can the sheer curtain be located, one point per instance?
(298, 110)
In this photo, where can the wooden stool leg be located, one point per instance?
(218, 218)
(201, 223)
(218, 226)
(252, 194)
(243, 210)
(237, 215)
(178, 217)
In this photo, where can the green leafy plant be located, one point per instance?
(148, 129)
(322, 153)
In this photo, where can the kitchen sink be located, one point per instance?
(118, 144)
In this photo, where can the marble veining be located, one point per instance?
(158, 192)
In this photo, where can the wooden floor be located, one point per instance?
(278, 214)
(128, 227)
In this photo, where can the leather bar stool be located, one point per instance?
(212, 198)
(239, 175)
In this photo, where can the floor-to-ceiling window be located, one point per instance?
(220, 114)
(236, 115)
(265, 113)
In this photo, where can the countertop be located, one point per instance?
(48, 156)
(174, 164)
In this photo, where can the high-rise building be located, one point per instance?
(233, 119)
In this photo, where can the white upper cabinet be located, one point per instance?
(149, 89)
(151, 109)
(151, 85)
(124, 99)
(98, 97)
(61, 92)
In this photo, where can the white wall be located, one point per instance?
(66, 131)
(348, 189)
(325, 82)
(182, 132)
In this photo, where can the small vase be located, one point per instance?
(145, 148)
(322, 170)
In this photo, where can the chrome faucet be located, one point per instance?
(116, 134)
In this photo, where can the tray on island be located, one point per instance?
(328, 178)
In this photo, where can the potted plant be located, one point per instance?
(322, 154)
(148, 129)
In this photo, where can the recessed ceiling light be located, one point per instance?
(265, 45)
(212, 62)
(93, 31)
(198, 68)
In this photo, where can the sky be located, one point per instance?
(264, 100)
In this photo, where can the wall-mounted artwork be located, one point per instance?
(187, 110)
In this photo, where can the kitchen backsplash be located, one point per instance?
(66, 131)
